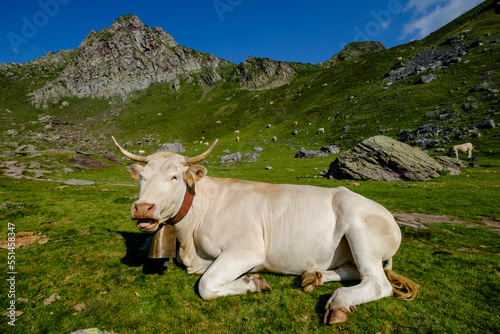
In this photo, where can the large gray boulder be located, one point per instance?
(384, 159)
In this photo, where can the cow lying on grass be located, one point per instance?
(454, 150)
(232, 227)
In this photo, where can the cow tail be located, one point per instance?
(403, 288)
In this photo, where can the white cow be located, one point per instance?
(467, 147)
(236, 227)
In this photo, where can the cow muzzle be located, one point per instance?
(145, 213)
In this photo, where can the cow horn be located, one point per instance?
(202, 156)
(129, 155)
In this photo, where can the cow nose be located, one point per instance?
(143, 210)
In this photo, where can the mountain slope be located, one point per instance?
(138, 84)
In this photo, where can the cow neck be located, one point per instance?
(186, 204)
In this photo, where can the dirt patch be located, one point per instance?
(23, 239)
(87, 162)
(417, 219)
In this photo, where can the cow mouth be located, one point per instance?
(146, 224)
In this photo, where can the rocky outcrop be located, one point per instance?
(429, 59)
(256, 73)
(384, 159)
(125, 57)
(354, 50)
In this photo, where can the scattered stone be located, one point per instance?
(11, 132)
(251, 157)
(258, 149)
(74, 182)
(228, 160)
(26, 150)
(269, 168)
(427, 78)
(484, 124)
(172, 147)
(303, 153)
(330, 149)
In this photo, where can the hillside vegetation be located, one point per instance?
(352, 99)
(63, 181)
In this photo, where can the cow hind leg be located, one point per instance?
(312, 279)
(374, 283)
(222, 278)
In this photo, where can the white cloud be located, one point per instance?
(430, 15)
(420, 6)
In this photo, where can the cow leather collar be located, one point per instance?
(186, 204)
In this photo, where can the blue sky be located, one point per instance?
(231, 29)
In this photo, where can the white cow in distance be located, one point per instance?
(462, 148)
(229, 228)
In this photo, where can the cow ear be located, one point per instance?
(134, 170)
(194, 173)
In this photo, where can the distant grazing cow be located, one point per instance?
(237, 132)
(295, 123)
(274, 139)
(205, 143)
(268, 126)
(454, 150)
(218, 122)
(237, 138)
(321, 130)
(227, 228)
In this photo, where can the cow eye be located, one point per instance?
(141, 178)
(173, 178)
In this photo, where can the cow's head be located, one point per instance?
(164, 181)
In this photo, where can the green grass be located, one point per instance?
(93, 257)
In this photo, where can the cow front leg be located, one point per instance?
(222, 278)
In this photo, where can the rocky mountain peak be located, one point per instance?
(122, 58)
(354, 50)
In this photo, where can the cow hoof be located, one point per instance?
(261, 282)
(310, 281)
(335, 315)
